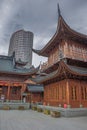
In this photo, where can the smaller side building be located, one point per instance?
(33, 93)
(14, 80)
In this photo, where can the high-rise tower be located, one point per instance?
(21, 43)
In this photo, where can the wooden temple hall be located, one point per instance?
(15, 83)
(64, 75)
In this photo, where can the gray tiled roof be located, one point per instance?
(79, 70)
(41, 78)
(35, 88)
(75, 69)
(7, 66)
(6, 63)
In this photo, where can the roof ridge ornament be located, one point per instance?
(59, 12)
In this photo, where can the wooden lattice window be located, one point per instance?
(4, 89)
(84, 92)
(57, 92)
(63, 92)
(74, 93)
(48, 91)
(14, 90)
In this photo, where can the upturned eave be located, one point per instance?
(63, 32)
(64, 70)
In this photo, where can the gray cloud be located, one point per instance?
(41, 18)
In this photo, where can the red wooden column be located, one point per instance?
(8, 92)
(23, 88)
(68, 92)
(80, 94)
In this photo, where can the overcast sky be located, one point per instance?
(40, 17)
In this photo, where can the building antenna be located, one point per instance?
(58, 7)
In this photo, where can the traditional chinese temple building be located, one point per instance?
(14, 80)
(34, 93)
(65, 72)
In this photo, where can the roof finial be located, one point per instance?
(59, 12)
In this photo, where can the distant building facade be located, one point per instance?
(21, 43)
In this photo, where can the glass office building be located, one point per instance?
(21, 43)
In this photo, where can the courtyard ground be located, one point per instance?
(32, 120)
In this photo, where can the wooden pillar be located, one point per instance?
(68, 92)
(21, 92)
(23, 87)
(8, 92)
(80, 94)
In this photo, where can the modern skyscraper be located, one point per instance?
(21, 43)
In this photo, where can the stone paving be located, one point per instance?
(32, 120)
